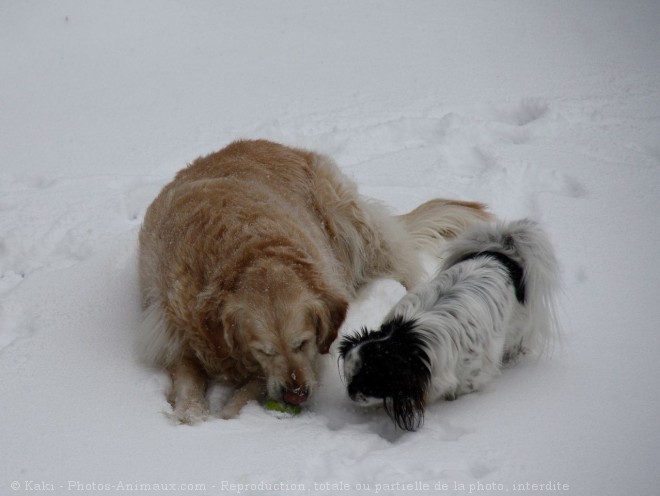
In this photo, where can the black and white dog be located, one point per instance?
(492, 300)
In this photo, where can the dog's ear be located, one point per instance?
(409, 384)
(407, 412)
(231, 321)
(329, 314)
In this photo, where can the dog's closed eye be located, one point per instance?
(298, 347)
(268, 351)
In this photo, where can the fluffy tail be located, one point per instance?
(527, 244)
(541, 276)
(433, 223)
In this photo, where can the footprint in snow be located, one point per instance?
(525, 112)
(484, 465)
(14, 328)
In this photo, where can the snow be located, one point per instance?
(542, 109)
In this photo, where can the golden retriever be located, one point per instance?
(248, 260)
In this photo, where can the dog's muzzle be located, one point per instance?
(361, 399)
(295, 396)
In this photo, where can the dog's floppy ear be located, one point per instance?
(231, 317)
(328, 313)
(407, 411)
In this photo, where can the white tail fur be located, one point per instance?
(526, 243)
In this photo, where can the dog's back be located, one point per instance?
(218, 217)
(524, 242)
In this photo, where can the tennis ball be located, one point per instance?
(275, 406)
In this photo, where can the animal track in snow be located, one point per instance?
(488, 153)
(14, 324)
(525, 112)
(483, 466)
(54, 223)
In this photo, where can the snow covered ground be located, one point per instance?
(543, 109)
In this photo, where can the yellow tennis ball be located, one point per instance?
(276, 406)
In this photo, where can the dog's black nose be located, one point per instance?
(358, 397)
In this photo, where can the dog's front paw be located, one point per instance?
(189, 413)
(230, 411)
(250, 391)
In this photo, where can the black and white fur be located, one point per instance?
(491, 301)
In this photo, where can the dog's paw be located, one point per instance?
(189, 413)
(229, 412)
(249, 392)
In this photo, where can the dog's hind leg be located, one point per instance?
(251, 391)
(188, 392)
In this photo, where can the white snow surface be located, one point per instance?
(541, 109)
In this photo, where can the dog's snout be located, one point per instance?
(356, 395)
(352, 391)
(295, 391)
